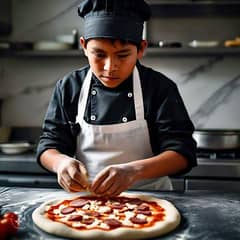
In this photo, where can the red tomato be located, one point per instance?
(3, 229)
(10, 215)
(8, 224)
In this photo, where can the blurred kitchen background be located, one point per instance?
(195, 43)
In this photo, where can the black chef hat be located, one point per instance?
(115, 19)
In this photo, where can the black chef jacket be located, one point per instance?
(170, 127)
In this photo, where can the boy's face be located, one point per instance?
(112, 61)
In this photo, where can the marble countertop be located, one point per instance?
(205, 215)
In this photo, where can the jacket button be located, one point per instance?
(124, 119)
(93, 117)
(130, 94)
(94, 92)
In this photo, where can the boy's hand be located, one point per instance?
(114, 179)
(72, 175)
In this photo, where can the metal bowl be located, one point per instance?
(217, 139)
(16, 148)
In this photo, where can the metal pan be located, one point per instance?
(217, 139)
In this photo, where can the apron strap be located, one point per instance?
(138, 98)
(82, 102)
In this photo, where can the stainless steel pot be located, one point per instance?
(217, 139)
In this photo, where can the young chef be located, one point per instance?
(120, 123)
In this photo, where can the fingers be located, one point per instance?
(108, 183)
(84, 175)
(113, 180)
(69, 184)
(76, 177)
(73, 177)
(114, 190)
(106, 187)
(110, 189)
(99, 182)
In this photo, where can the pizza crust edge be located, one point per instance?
(171, 222)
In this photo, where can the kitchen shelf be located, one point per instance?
(151, 51)
(43, 53)
(194, 8)
(188, 51)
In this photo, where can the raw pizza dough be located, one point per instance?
(170, 222)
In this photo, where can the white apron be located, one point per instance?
(99, 146)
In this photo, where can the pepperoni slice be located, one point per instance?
(75, 218)
(147, 213)
(118, 205)
(135, 201)
(87, 221)
(78, 203)
(112, 223)
(138, 220)
(143, 207)
(93, 213)
(67, 210)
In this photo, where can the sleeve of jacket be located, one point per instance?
(174, 127)
(170, 126)
(56, 132)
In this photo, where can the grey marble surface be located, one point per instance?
(205, 215)
(209, 86)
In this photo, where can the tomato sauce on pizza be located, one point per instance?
(92, 212)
